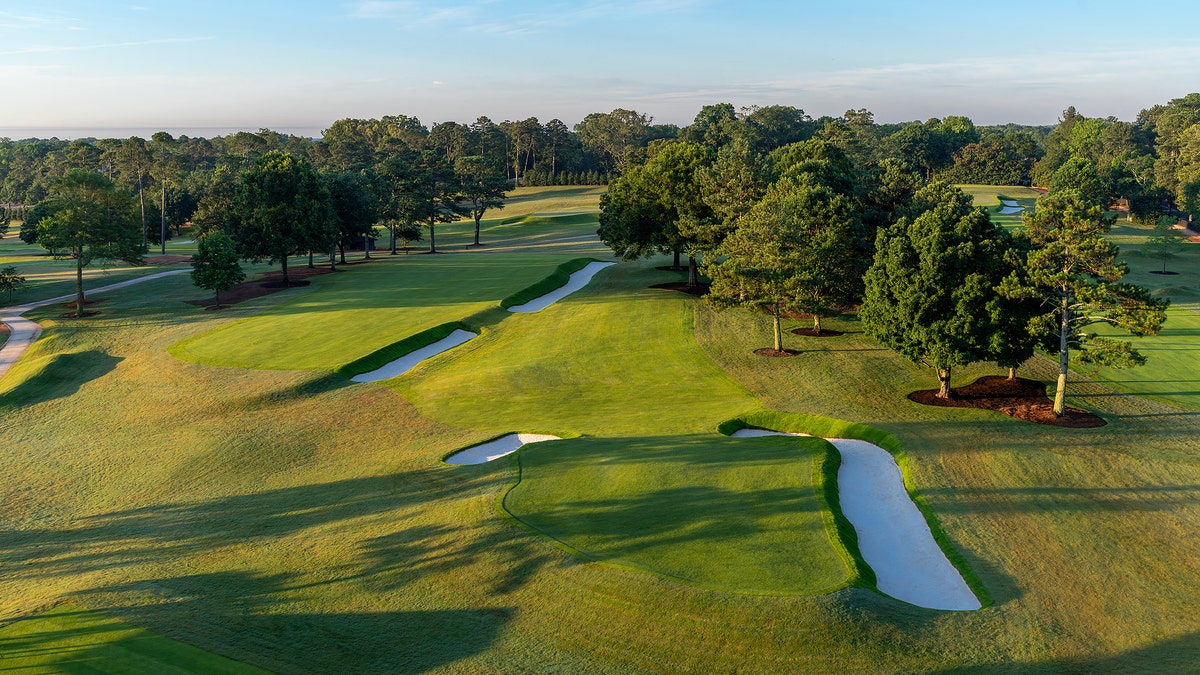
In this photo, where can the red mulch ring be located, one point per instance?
(168, 259)
(1020, 398)
(825, 332)
(682, 287)
(272, 282)
(776, 353)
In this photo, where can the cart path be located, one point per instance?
(24, 331)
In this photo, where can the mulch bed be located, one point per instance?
(681, 286)
(4, 332)
(168, 259)
(1020, 398)
(776, 353)
(825, 332)
(272, 282)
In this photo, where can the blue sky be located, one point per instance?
(73, 67)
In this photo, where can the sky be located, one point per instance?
(73, 68)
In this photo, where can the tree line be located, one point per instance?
(806, 222)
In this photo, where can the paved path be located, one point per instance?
(24, 331)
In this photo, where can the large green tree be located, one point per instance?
(481, 187)
(1073, 270)
(792, 252)
(354, 209)
(934, 273)
(215, 265)
(280, 207)
(92, 219)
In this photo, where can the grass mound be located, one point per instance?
(557, 279)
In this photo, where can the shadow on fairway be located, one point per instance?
(59, 376)
(254, 619)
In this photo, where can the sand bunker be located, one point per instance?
(24, 331)
(576, 281)
(1009, 207)
(408, 361)
(501, 447)
(892, 534)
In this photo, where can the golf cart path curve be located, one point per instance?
(24, 331)
(893, 537)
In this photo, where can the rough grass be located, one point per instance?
(67, 639)
(299, 523)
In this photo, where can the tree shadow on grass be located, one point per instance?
(59, 376)
(252, 618)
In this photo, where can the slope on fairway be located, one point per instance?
(67, 639)
(651, 486)
(347, 315)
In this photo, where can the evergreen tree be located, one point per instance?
(215, 265)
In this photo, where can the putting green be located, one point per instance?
(735, 515)
(69, 640)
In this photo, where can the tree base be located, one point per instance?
(1020, 398)
(776, 353)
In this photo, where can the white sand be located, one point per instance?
(501, 447)
(1009, 210)
(575, 282)
(408, 361)
(892, 534)
(1008, 202)
(23, 331)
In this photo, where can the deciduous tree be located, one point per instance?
(215, 265)
(93, 219)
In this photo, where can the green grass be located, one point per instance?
(989, 196)
(69, 640)
(299, 523)
(734, 515)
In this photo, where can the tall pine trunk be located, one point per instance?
(142, 201)
(163, 234)
(79, 282)
(693, 278)
(478, 214)
(1064, 352)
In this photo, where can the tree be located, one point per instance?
(215, 209)
(792, 252)
(434, 191)
(11, 281)
(5, 220)
(1166, 242)
(480, 186)
(1079, 175)
(1073, 270)
(215, 265)
(354, 209)
(281, 206)
(618, 137)
(934, 272)
(93, 219)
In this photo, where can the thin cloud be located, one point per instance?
(54, 49)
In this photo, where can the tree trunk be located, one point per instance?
(163, 234)
(1012, 372)
(392, 229)
(693, 279)
(478, 214)
(778, 332)
(432, 237)
(1064, 352)
(675, 264)
(79, 282)
(218, 297)
(310, 260)
(342, 251)
(944, 383)
(285, 276)
(817, 323)
(142, 201)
